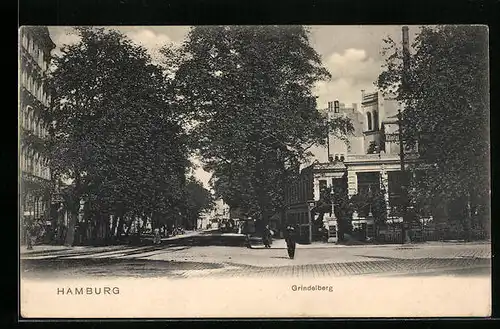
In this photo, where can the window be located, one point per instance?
(29, 116)
(30, 164)
(395, 182)
(368, 182)
(322, 188)
(21, 160)
(26, 160)
(26, 119)
(342, 157)
(40, 58)
(369, 120)
(375, 120)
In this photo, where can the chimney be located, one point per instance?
(406, 55)
(362, 94)
(336, 106)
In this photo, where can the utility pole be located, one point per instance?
(328, 131)
(403, 175)
(404, 87)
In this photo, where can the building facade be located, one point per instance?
(34, 100)
(369, 162)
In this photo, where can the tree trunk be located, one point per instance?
(95, 228)
(114, 227)
(126, 230)
(119, 230)
(468, 219)
(70, 233)
(107, 228)
(340, 229)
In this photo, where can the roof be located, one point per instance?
(41, 33)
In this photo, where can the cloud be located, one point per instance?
(67, 38)
(63, 36)
(150, 40)
(352, 70)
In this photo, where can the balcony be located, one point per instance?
(371, 157)
(32, 180)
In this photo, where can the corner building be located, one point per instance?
(34, 100)
(369, 161)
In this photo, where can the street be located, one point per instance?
(189, 278)
(187, 258)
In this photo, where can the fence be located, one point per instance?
(431, 232)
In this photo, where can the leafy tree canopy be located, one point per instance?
(445, 93)
(115, 131)
(249, 92)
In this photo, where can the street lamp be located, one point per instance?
(404, 185)
(332, 194)
(370, 197)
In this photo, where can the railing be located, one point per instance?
(392, 234)
(371, 157)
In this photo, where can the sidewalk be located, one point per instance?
(58, 248)
(42, 248)
(185, 235)
(281, 244)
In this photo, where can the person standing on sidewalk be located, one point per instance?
(267, 237)
(290, 241)
(156, 237)
(29, 233)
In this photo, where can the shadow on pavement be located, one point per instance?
(208, 240)
(42, 268)
(480, 271)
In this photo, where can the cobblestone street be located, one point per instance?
(216, 261)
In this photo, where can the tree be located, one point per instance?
(445, 93)
(115, 133)
(248, 91)
(199, 199)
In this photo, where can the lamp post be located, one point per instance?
(333, 218)
(332, 194)
(404, 194)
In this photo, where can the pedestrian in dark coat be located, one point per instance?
(290, 241)
(267, 237)
(29, 227)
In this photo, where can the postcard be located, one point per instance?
(254, 171)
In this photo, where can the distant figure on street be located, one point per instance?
(157, 237)
(29, 233)
(267, 238)
(290, 241)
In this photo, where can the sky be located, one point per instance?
(352, 54)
